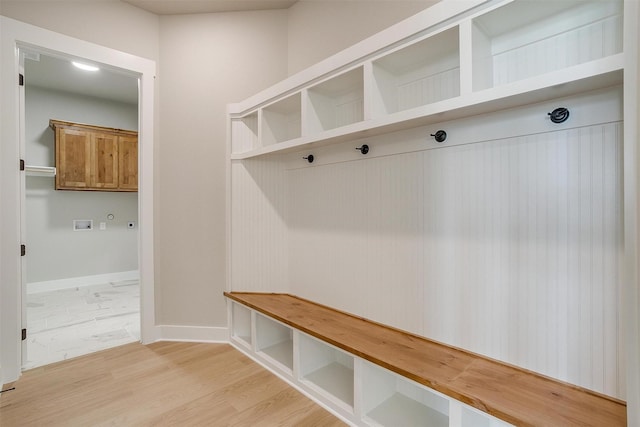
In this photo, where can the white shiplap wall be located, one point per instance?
(510, 247)
(258, 228)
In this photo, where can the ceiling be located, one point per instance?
(177, 7)
(59, 74)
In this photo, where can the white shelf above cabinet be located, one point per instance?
(43, 171)
(593, 75)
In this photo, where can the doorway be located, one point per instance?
(82, 289)
(15, 35)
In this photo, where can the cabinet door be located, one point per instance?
(73, 154)
(128, 163)
(104, 162)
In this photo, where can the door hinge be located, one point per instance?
(24, 334)
(23, 250)
(21, 79)
(21, 164)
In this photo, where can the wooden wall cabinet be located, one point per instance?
(95, 158)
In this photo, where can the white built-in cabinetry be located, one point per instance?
(456, 60)
(356, 390)
(498, 55)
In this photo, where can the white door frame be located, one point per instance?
(15, 34)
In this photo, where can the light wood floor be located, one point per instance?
(162, 384)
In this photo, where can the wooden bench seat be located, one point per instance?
(513, 394)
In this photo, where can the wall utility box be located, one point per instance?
(82, 224)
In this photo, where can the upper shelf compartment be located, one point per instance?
(336, 102)
(281, 121)
(526, 38)
(419, 74)
(244, 133)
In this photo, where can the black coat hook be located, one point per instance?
(364, 149)
(440, 136)
(559, 115)
(309, 158)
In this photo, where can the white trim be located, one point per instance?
(630, 325)
(76, 282)
(15, 34)
(207, 334)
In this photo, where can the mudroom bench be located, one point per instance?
(371, 374)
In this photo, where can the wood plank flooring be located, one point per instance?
(162, 384)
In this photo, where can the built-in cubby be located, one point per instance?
(523, 39)
(241, 321)
(336, 102)
(275, 341)
(244, 133)
(281, 121)
(470, 417)
(327, 368)
(422, 73)
(391, 400)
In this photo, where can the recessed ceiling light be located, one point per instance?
(85, 67)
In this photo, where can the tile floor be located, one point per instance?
(72, 322)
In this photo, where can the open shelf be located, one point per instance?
(597, 74)
(45, 171)
(473, 418)
(327, 368)
(336, 102)
(241, 324)
(422, 73)
(281, 121)
(391, 400)
(275, 341)
(524, 38)
(244, 133)
(514, 54)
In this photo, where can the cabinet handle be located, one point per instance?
(309, 158)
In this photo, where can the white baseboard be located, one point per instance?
(75, 282)
(210, 334)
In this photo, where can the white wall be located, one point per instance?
(320, 28)
(205, 61)
(55, 250)
(214, 59)
(113, 24)
(509, 244)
